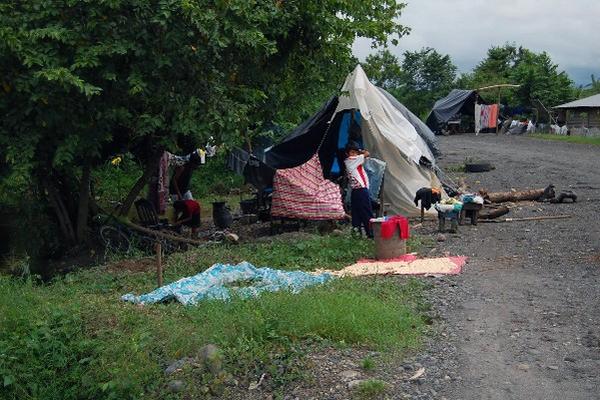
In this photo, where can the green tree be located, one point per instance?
(384, 70)
(539, 77)
(590, 89)
(82, 80)
(427, 76)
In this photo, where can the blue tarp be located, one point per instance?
(219, 283)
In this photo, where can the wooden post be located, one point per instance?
(498, 110)
(422, 212)
(159, 273)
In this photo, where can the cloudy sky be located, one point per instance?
(569, 30)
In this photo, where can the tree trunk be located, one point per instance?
(84, 201)
(62, 214)
(151, 167)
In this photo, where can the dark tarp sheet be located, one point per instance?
(255, 172)
(458, 101)
(422, 129)
(300, 145)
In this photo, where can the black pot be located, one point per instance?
(249, 206)
(221, 215)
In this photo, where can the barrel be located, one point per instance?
(391, 247)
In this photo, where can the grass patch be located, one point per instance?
(595, 140)
(367, 364)
(370, 389)
(455, 168)
(74, 338)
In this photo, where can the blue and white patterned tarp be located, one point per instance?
(218, 283)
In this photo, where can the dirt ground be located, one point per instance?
(523, 320)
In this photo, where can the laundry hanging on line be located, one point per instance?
(486, 116)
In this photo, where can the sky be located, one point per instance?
(568, 30)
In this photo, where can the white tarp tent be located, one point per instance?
(389, 136)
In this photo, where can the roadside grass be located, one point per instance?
(74, 338)
(569, 139)
(370, 389)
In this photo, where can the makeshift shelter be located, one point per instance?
(366, 114)
(581, 116)
(458, 102)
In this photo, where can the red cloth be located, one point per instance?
(493, 118)
(191, 207)
(389, 226)
(303, 193)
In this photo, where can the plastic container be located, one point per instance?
(388, 248)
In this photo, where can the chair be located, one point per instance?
(148, 216)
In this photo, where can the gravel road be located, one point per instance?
(523, 320)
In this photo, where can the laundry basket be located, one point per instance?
(391, 247)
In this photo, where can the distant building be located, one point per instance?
(581, 116)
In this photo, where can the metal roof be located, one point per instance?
(589, 102)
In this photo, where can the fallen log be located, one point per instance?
(161, 234)
(523, 195)
(491, 213)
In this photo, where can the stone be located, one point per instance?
(570, 359)
(178, 365)
(354, 383)
(211, 358)
(523, 367)
(553, 367)
(176, 386)
(349, 374)
(441, 237)
(337, 232)
(232, 237)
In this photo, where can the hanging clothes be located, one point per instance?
(477, 118)
(158, 194)
(493, 111)
(486, 116)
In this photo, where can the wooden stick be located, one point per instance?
(540, 218)
(163, 235)
(159, 272)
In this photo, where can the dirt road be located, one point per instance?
(523, 320)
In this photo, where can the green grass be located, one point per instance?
(370, 389)
(74, 338)
(367, 364)
(595, 140)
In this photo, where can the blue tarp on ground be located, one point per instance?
(219, 283)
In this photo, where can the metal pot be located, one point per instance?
(221, 215)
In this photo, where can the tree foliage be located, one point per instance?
(418, 80)
(82, 80)
(384, 70)
(428, 76)
(538, 75)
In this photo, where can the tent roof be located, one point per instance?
(588, 102)
(458, 101)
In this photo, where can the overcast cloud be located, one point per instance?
(568, 30)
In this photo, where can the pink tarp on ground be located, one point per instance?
(303, 193)
(408, 264)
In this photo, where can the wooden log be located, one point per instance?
(523, 195)
(164, 235)
(491, 213)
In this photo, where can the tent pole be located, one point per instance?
(499, 89)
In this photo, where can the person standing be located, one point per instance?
(179, 187)
(360, 199)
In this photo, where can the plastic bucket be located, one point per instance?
(391, 247)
